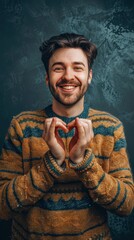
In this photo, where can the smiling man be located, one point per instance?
(63, 167)
(69, 77)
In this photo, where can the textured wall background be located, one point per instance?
(109, 23)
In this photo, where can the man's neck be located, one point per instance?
(68, 111)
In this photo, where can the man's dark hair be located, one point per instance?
(67, 40)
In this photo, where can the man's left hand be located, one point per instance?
(81, 139)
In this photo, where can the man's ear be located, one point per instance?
(90, 74)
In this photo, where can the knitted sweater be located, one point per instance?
(46, 201)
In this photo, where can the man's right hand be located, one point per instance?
(52, 138)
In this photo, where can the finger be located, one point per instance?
(87, 121)
(87, 124)
(58, 120)
(59, 139)
(59, 124)
(51, 132)
(92, 133)
(46, 127)
(56, 125)
(80, 128)
(46, 133)
(71, 124)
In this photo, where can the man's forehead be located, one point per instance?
(74, 55)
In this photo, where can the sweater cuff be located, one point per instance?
(52, 166)
(85, 164)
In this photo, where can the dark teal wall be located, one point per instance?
(24, 24)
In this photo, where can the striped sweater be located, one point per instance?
(46, 201)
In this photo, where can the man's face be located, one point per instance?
(69, 75)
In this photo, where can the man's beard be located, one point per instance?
(69, 103)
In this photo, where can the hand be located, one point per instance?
(81, 139)
(52, 138)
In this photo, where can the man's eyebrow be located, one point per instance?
(61, 63)
(79, 63)
(57, 63)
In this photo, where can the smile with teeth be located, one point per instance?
(68, 87)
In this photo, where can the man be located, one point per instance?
(63, 167)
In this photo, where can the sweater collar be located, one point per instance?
(50, 113)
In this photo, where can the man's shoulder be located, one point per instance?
(36, 115)
(103, 116)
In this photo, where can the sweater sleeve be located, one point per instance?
(113, 190)
(19, 191)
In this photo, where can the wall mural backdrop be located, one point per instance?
(108, 23)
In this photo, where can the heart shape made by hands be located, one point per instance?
(69, 127)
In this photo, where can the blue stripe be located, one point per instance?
(7, 201)
(123, 200)
(61, 204)
(105, 131)
(8, 145)
(101, 179)
(104, 120)
(117, 194)
(31, 120)
(32, 159)
(119, 169)
(68, 183)
(102, 157)
(63, 234)
(67, 187)
(130, 177)
(104, 114)
(32, 132)
(118, 126)
(121, 143)
(15, 194)
(129, 183)
(10, 171)
(75, 190)
(36, 187)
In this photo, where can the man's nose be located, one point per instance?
(69, 74)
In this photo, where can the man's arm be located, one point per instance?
(19, 190)
(113, 190)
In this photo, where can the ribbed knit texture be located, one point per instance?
(47, 201)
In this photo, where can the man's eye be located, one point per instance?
(58, 69)
(78, 68)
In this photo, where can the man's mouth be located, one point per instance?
(68, 87)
